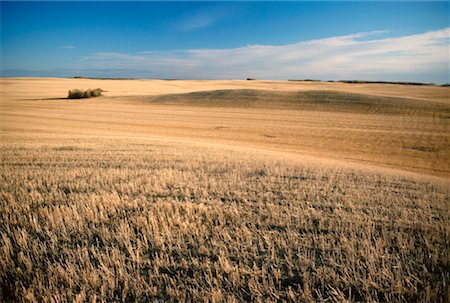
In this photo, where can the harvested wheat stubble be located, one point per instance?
(224, 191)
(119, 220)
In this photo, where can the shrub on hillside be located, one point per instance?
(78, 93)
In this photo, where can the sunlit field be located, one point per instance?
(224, 191)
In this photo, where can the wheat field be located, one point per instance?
(224, 191)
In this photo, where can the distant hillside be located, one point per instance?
(368, 81)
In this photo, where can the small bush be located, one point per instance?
(79, 94)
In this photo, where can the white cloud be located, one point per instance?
(68, 46)
(195, 22)
(203, 18)
(420, 57)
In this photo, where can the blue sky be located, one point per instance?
(405, 41)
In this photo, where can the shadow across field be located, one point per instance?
(314, 100)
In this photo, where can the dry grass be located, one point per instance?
(160, 222)
(140, 198)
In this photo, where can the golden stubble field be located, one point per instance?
(224, 191)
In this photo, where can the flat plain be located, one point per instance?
(224, 191)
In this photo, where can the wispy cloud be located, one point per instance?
(420, 57)
(203, 18)
(68, 47)
(195, 22)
